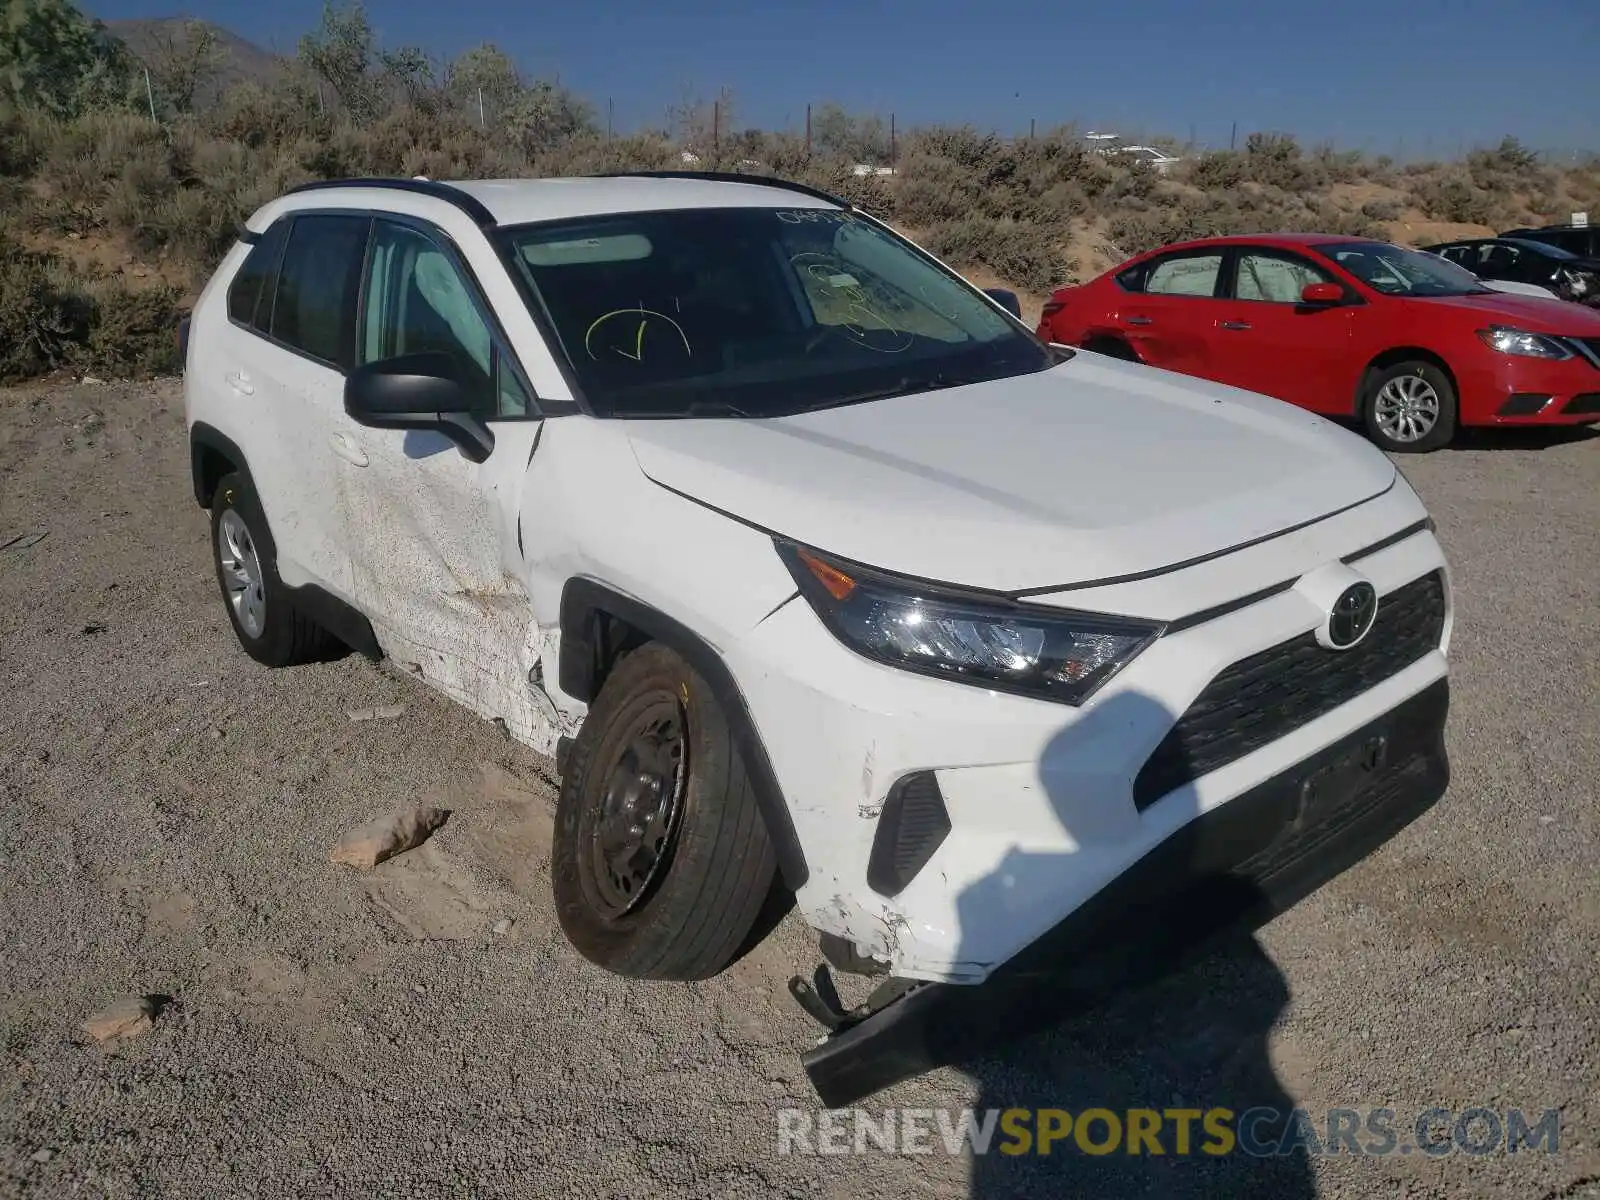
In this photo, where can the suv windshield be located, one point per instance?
(1400, 272)
(757, 312)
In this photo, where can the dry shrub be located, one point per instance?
(40, 321)
(128, 332)
(1454, 197)
(1023, 254)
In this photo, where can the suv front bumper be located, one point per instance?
(1235, 866)
(1019, 811)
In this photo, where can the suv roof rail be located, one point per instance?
(422, 187)
(771, 181)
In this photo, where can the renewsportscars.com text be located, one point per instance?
(1216, 1131)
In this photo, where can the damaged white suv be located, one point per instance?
(817, 572)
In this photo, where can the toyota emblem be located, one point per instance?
(1352, 615)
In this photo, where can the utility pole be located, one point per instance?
(1233, 138)
(716, 127)
(149, 94)
(483, 122)
(894, 157)
(611, 112)
(808, 131)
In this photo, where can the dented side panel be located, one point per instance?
(460, 567)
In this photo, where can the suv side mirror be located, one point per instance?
(418, 391)
(1322, 294)
(1006, 299)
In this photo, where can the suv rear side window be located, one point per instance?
(315, 309)
(255, 279)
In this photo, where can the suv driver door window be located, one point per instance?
(417, 301)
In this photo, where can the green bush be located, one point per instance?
(40, 322)
(128, 333)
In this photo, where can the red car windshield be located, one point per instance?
(1396, 271)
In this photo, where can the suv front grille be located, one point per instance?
(1269, 695)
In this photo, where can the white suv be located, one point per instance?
(818, 573)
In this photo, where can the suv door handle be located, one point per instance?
(1234, 324)
(1139, 321)
(347, 448)
(240, 382)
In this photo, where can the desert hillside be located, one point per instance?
(117, 197)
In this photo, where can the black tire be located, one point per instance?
(1443, 431)
(708, 865)
(286, 636)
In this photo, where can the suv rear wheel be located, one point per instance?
(661, 861)
(261, 609)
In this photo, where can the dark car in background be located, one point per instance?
(1582, 240)
(1568, 276)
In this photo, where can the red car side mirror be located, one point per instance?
(1322, 293)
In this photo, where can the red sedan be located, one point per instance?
(1409, 343)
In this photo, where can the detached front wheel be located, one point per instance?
(661, 861)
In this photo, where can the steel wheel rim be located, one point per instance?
(241, 573)
(1407, 408)
(641, 807)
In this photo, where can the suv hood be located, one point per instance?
(1092, 470)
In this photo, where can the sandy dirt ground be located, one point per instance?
(167, 809)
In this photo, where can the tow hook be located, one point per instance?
(821, 999)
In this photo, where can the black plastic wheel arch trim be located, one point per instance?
(1144, 923)
(583, 600)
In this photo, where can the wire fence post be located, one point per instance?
(149, 94)
(483, 121)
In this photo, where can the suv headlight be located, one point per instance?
(1509, 340)
(989, 641)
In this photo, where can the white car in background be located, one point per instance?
(817, 571)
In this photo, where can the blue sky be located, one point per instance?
(1414, 76)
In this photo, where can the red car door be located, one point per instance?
(1267, 340)
(1170, 313)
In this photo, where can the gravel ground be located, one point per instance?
(167, 808)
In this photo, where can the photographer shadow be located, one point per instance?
(1154, 996)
